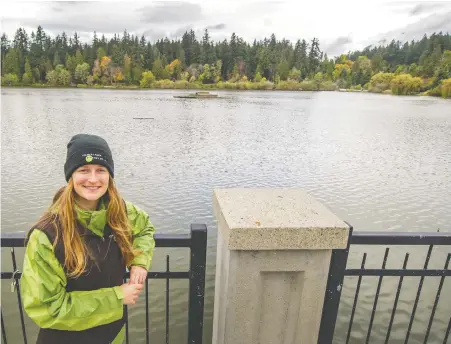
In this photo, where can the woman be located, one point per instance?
(72, 282)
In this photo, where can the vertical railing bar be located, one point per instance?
(445, 341)
(420, 286)
(126, 319)
(197, 283)
(167, 301)
(19, 298)
(362, 266)
(395, 304)
(3, 330)
(376, 298)
(437, 297)
(147, 311)
(335, 280)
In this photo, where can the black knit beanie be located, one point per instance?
(85, 149)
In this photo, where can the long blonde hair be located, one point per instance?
(61, 215)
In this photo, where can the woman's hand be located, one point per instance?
(138, 275)
(131, 292)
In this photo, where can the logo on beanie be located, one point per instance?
(89, 158)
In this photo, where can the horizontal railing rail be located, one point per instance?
(17, 239)
(400, 238)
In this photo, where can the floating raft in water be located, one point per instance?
(198, 95)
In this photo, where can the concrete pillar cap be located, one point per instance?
(276, 219)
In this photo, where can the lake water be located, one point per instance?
(382, 163)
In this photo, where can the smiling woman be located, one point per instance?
(72, 281)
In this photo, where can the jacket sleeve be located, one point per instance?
(143, 232)
(49, 305)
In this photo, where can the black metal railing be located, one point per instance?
(338, 271)
(196, 241)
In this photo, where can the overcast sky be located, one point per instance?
(340, 25)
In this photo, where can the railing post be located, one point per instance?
(197, 283)
(274, 250)
(332, 296)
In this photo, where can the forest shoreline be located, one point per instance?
(198, 88)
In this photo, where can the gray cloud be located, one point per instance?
(180, 31)
(263, 8)
(171, 12)
(338, 45)
(271, 3)
(8, 20)
(220, 26)
(159, 19)
(267, 22)
(153, 35)
(158, 33)
(415, 31)
(425, 8)
(60, 6)
(74, 16)
(76, 24)
(441, 24)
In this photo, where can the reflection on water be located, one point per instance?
(379, 162)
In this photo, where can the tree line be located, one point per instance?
(38, 58)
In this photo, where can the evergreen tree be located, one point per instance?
(27, 78)
(78, 58)
(56, 60)
(314, 57)
(11, 64)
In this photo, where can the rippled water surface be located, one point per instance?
(382, 163)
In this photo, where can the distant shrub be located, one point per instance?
(10, 79)
(244, 84)
(446, 88)
(82, 86)
(308, 85)
(27, 79)
(230, 85)
(181, 84)
(147, 78)
(328, 86)
(195, 85)
(436, 92)
(380, 82)
(207, 86)
(165, 83)
(265, 85)
(289, 85)
(404, 84)
(356, 87)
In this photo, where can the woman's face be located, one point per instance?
(90, 183)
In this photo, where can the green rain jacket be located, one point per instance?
(43, 281)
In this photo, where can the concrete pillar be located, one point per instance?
(273, 255)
